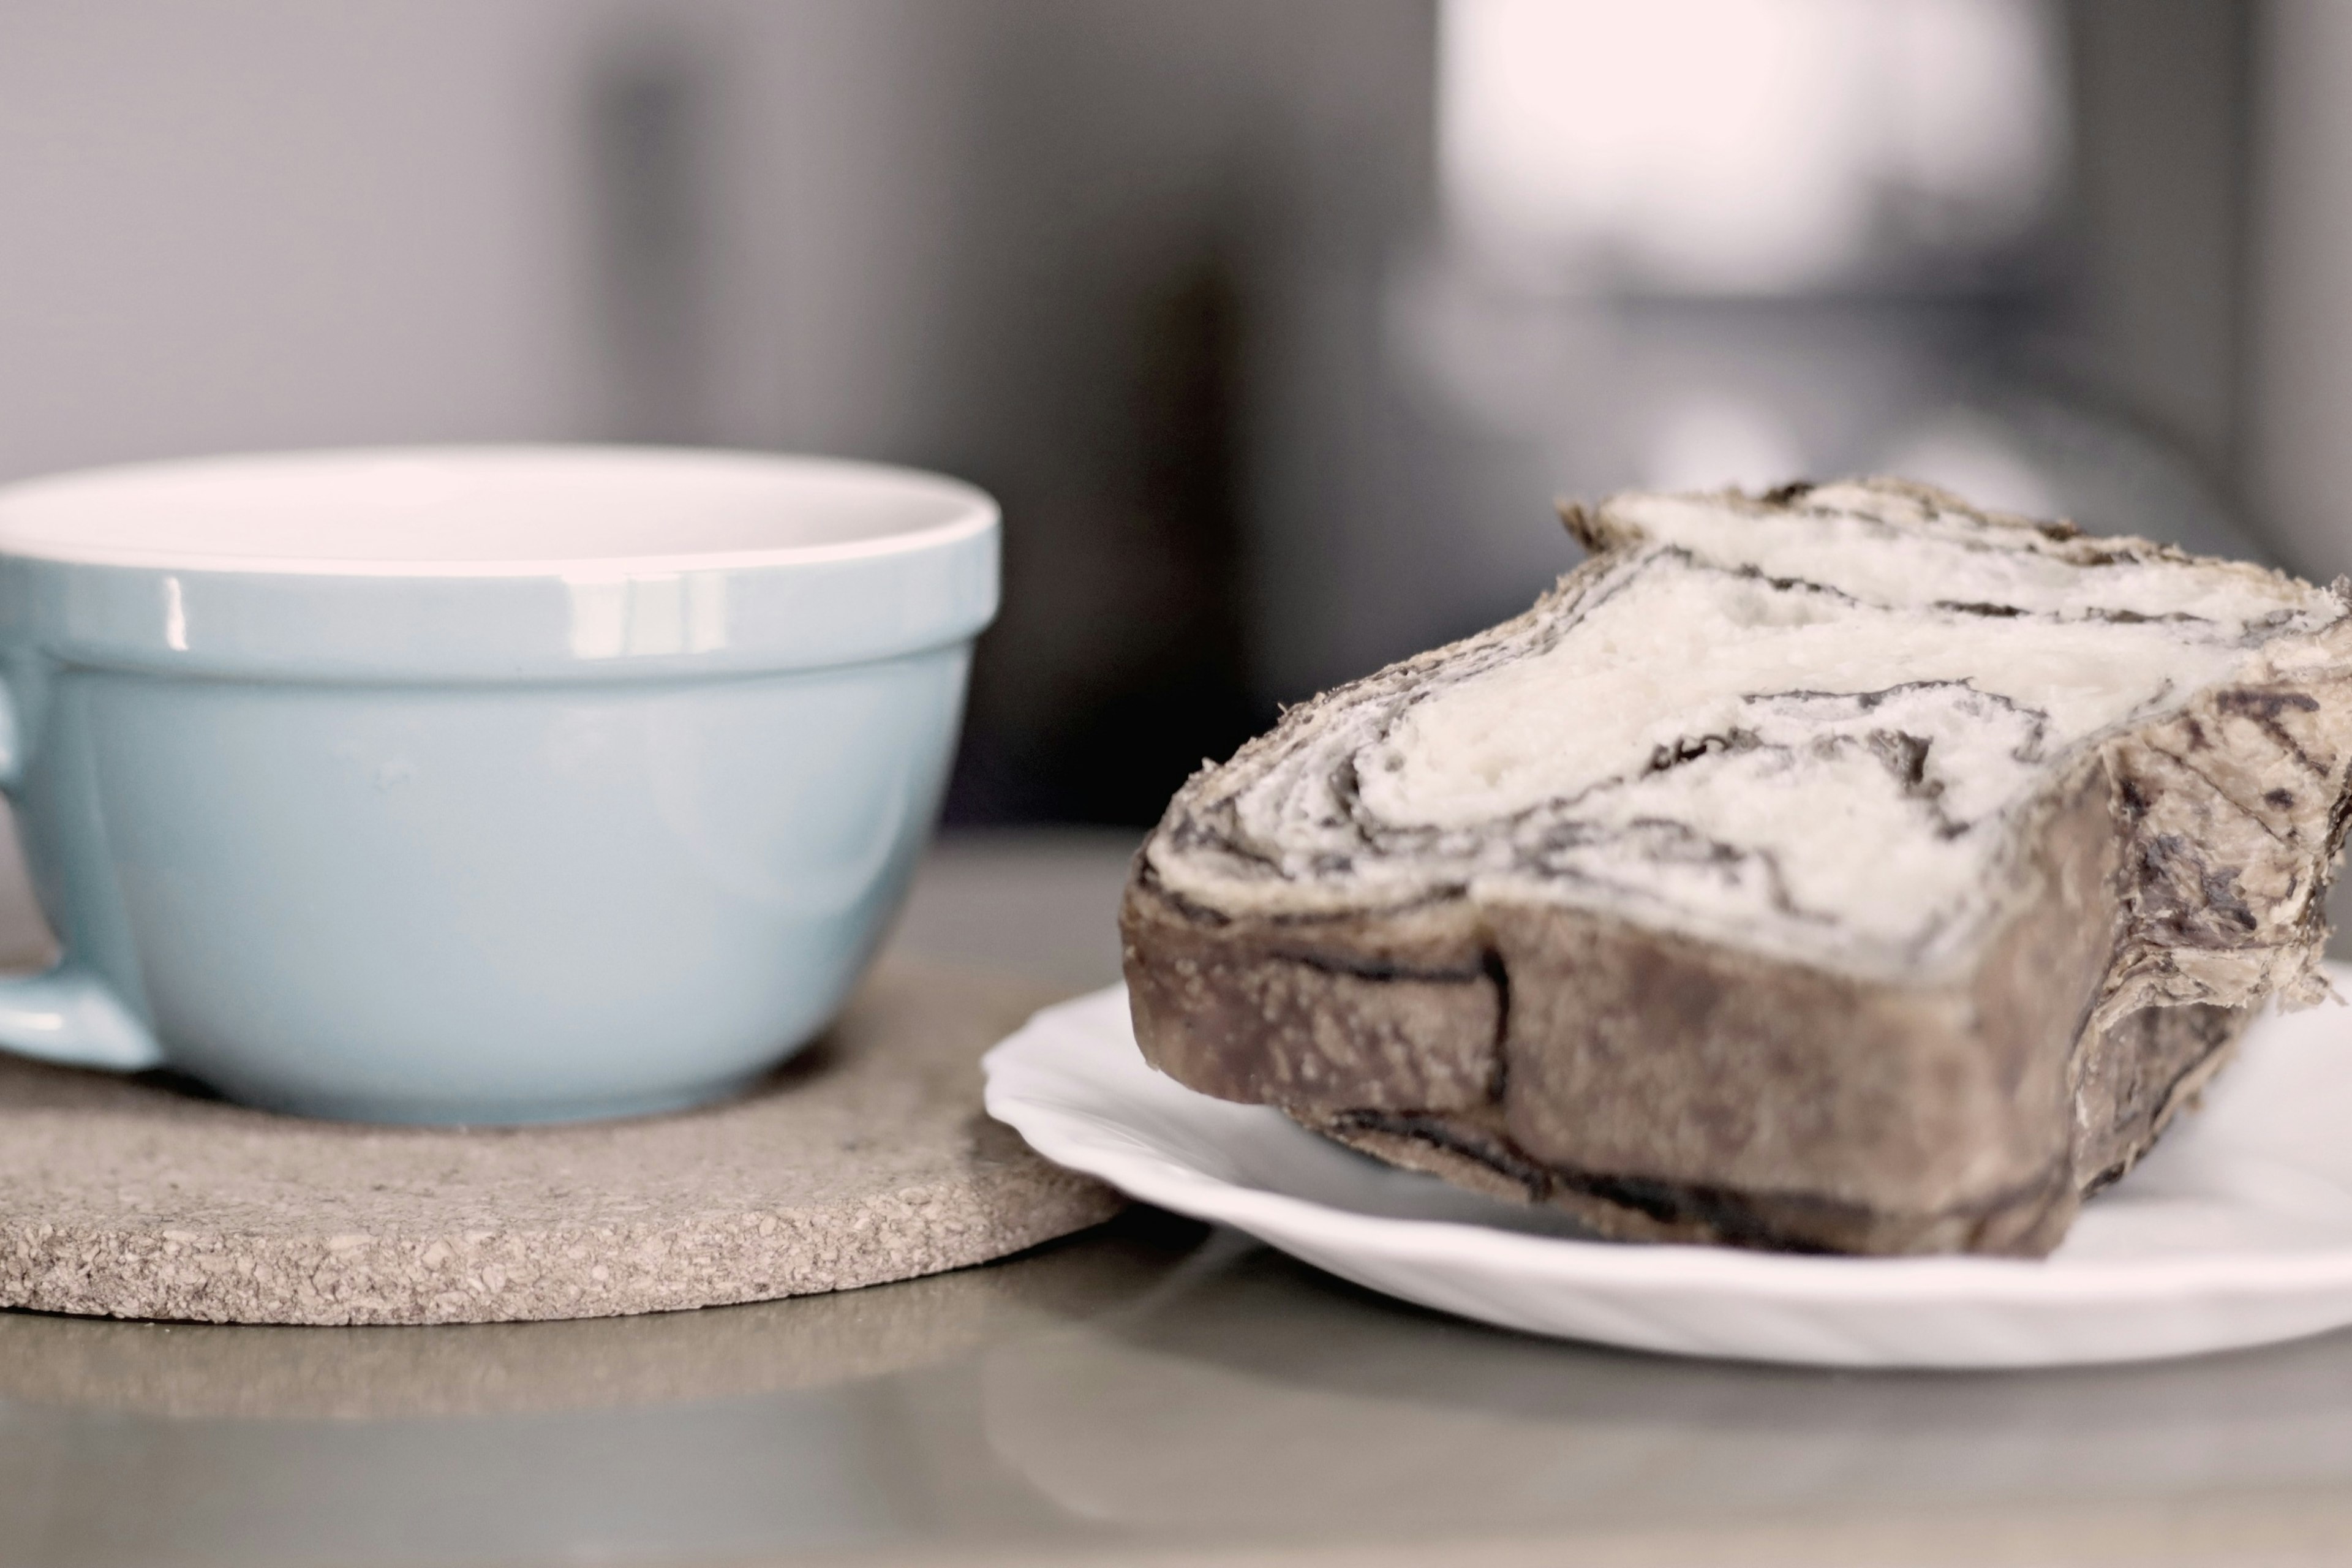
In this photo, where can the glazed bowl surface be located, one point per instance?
(474, 785)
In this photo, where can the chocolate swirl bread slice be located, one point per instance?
(1844, 869)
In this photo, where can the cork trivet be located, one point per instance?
(212, 1370)
(865, 1159)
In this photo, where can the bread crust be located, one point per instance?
(1662, 1087)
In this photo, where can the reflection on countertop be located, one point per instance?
(822, 1424)
(209, 1371)
(1290, 1402)
(1150, 1391)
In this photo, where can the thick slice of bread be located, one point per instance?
(1845, 868)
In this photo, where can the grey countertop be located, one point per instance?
(1149, 1393)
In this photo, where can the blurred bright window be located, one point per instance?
(1745, 146)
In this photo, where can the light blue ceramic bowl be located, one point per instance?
(474, 785)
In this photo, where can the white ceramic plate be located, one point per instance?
(2236, 1231)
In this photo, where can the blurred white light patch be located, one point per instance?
(1969, 457)
(1708, 442)
(1744, 146)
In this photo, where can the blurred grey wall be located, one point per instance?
(233, 224)
(1172, 279)
(2299, 381)
(1032, 242)
(2155, 308)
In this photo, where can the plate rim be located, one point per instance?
(1013, 1095)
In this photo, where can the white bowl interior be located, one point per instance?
(484, 509)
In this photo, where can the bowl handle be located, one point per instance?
(68, 1014)
(65, 1014)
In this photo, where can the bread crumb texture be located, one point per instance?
(1811, 863)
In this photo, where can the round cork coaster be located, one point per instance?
(867, 1158)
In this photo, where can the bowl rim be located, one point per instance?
(964, 512)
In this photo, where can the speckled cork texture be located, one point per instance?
(866, 1159)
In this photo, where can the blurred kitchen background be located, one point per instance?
(1275, 324)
